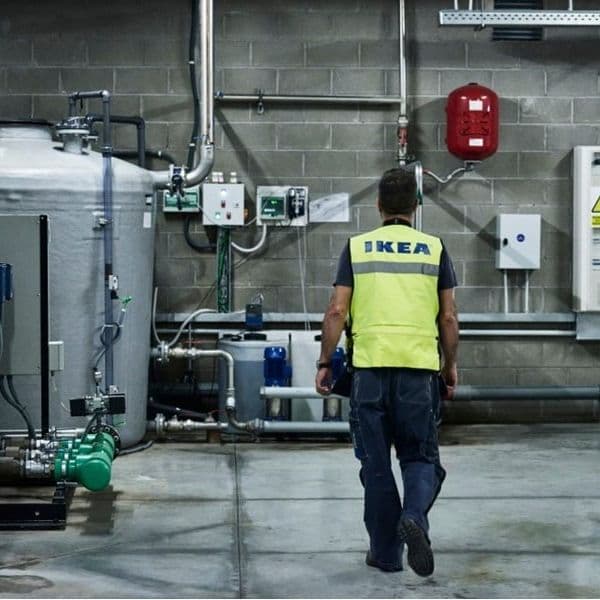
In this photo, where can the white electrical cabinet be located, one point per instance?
(586, 228)
(223, 204)
(283, 205)
(519, 241)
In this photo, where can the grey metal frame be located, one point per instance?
(540, 18)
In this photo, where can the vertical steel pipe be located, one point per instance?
(108, 332)
(402, 54)
(205, 157)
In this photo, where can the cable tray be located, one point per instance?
(543, 18)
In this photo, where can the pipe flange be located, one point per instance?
(160, 424)
(74, 126)
(105, 428)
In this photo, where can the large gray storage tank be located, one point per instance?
(38, 177)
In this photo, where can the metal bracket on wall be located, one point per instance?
(541, 18)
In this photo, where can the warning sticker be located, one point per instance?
(596, 213)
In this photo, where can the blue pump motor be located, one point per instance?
(276, 370)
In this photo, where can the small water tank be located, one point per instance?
(37, 176)
(249, 355)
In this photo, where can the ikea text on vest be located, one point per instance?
(398, 247)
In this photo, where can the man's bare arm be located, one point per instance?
(333, 325)
(449, 331)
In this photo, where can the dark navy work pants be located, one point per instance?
(398, 407)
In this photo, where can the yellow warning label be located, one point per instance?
(595, 220)
(596, 207)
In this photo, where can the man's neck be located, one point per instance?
(396, 218)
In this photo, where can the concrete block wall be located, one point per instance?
(138, 49)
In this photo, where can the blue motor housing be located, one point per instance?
(276, 370)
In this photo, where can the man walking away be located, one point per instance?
(397, 284)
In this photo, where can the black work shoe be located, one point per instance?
(382, 567)
(420, 555)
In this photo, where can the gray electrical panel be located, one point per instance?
(20, 246)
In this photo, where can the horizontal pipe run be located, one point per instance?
(291, 99)
(548, 319)
(517, 332)
(188, 426)
(329, 427)
(554, 392)
(468, 392)
(463, 333)
(60, 433)
(291, 392)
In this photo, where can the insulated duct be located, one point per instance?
(206, 154)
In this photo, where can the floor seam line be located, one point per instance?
(237, 521)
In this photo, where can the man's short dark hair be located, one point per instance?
(397, 192)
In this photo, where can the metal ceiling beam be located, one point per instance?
(540, 18)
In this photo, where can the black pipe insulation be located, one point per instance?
(12, 399)
(158, 154)
(173, 392)
(140, 125)
(192, 414)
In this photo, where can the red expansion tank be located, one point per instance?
(472, 122)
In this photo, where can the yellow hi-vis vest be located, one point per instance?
(395, 300)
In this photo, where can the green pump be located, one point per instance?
(86, 460)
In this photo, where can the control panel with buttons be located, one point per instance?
(223, 204)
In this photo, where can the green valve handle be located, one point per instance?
(86, 460)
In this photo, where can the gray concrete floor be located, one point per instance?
(519, 516)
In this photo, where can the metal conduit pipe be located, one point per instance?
(402, 55)
(553, 392)
(292, 393)
(206, 154)
(468, 392)
(222, 97)
(305, 427)
(107, 225)
(519, 332)
(164, 351)
(255, 426)
(463, 333)
(60, 433)
(161, 426)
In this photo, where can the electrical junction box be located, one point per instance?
(519, 241)
(223, 204)
(282, 205)
(586, 229)
(188, 203)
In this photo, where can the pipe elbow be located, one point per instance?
(106, 95)
(203, 168)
